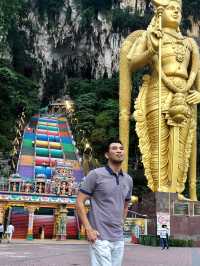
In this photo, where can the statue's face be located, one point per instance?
(172, 15)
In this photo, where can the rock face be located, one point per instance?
(195, 28)
(69, 47)
(73, 46)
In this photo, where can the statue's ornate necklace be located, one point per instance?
(178, 46)
(179, 50)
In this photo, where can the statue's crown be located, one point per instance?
(164, 2)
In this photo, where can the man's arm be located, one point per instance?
(128, 197)
(126, 209)
(80, 207)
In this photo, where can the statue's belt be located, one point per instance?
(175, 84)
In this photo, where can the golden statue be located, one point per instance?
(165, 109)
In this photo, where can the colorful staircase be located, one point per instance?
(47, 142)
(48, 154)
(26, 159)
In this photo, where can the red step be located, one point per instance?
(72, 228)
(20, 222)
(47, 221)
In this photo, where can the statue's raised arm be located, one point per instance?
(170, 104)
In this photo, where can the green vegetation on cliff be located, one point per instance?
(17, 94)
(18, 91)
(9, 12)
(96, 103)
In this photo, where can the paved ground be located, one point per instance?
(74, 253)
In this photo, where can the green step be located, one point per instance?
(27, 143)
(68, 147)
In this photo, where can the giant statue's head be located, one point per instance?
(171, 16)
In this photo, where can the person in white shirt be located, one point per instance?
(164, 237)
(1, 231)
(9, 232)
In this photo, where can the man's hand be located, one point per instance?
(92, 235)
(193, 97)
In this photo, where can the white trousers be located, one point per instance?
(106, 253)
(9, 236)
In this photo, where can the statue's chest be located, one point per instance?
(177, 48)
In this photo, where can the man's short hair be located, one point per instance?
(108, 142)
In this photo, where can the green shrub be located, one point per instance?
(154, 241)
(181, 243)
(151, 240)
(190, 243)
(141, 239)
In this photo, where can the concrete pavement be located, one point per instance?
(75, 253)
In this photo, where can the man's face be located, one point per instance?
(172, 15)
(115, 153)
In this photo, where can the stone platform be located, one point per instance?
(183, 217)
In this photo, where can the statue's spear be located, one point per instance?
(159, 4)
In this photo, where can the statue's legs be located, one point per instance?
(177, 157)
(152, 124)
(175, 152)
(185, 145)
(176, 142)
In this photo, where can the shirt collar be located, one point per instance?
(111, 171)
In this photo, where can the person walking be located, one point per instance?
(164, 237)
(1, 231)
(9, 232)
(41, 231)
(109, 190)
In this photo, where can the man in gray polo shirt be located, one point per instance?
(109, 190)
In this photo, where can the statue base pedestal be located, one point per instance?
(182, 217)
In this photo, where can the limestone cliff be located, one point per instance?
(75, 46)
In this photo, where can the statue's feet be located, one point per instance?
(163, 189)
(194, 198)
(181, 197)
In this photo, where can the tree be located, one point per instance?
(17, 94)
(9, 13)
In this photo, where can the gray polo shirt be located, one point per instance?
(108, 192)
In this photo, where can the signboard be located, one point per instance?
(163, 218)
(134, 227)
